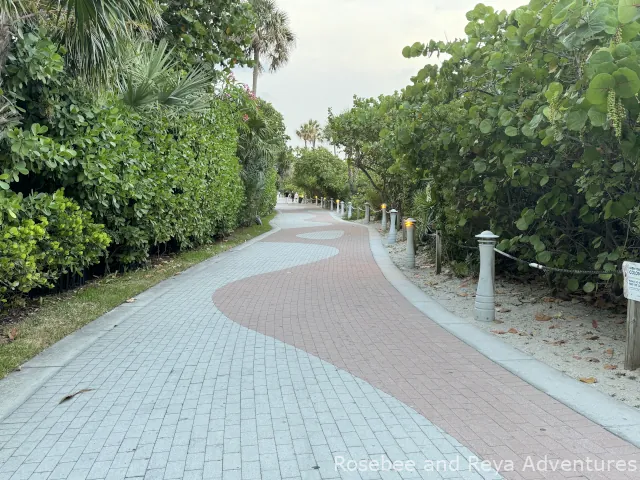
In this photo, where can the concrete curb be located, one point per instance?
(611, 414)
(18, 386)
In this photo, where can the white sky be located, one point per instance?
(347, 47)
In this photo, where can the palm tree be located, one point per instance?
(303, 134)
(310, 132)
(151, 77)
(92, 31)
(273, 38)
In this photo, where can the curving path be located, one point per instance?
(275, 361)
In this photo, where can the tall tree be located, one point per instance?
(273, 38)
(303, 134)
(310, 132)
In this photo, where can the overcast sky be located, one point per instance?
(347, 47)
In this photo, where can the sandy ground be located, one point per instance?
(582, 341)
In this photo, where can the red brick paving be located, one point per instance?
(345, 312)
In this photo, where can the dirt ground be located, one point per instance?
(580, 340)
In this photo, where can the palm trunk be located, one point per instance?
(256, 69)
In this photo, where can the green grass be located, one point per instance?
(56, 316)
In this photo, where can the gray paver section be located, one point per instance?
(325, 235)
(180, 391)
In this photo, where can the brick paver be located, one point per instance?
(180, 391)
(342, 310)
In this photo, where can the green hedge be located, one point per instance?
(152, 179)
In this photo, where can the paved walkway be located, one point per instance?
(281, 359)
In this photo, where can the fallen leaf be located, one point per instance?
(498, 321)
(609, 351)
(498, 332)
(70, 396)
(588, 380)
(594, 323)
(593, 360)
(512, 330)
(549, 299)
(541, 317)
(463, 294)
(559, 342)
(620, 322)
(503, 310)
(608, 366)
(577, 357)
(130, 300)
(593, 337)
(552, 327)
(13, 334)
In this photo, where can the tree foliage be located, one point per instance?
(160, 161)
(209, 34)
(319, 172)
(528, 127)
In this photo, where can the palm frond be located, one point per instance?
(93, 31)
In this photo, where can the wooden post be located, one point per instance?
(631, 277)
(632, 358)
(438, 253)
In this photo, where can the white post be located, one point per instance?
(391, 237)
(350, 211)
(411, 245)
(342, 209)
(384, 216)
(485, 307)
(366, 213)
(332, 204)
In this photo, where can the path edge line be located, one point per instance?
(17, 387)
(613, 415)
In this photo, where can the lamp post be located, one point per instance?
(316, 200)
(485, 306)
(410, 224)
(332, 204)
(391, 237)
(338, 207)
(367, 213)
(384, 216)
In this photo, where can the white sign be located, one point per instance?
(631, 273)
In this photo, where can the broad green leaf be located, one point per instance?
(522, 224)
(597, 117)
(554, 90)
(511, 131)
(544, 257)
(627, 82)
(628, 11)
(485, 126)
(576, 120)
(599, 87)
(573, 284)
(600, 62)
(630, 31)
(589, 287)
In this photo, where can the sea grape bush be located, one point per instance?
(528, 127)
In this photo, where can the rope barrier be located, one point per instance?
(553, 269)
